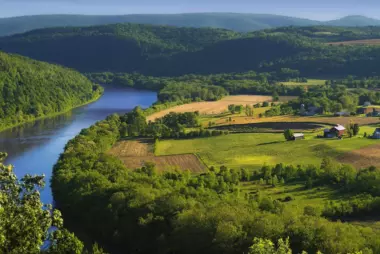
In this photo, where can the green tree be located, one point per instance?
(265, 246)
(288, 134)
(25, 221)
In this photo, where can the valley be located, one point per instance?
(192, 138)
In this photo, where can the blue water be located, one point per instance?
(35, 147)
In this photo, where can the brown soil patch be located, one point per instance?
(357, 42)
(363, 158)
(302, 119)
(132, 148)
(170, 162)
(135, 153)
(216, 107)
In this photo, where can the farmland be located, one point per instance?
(216, 107)
(357, 42)
(364, 157)
(310, 82)
(322, 120)
(136, 153)
(252, 150)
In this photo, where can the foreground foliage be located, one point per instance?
(25, 222)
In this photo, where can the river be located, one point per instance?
(34, 148)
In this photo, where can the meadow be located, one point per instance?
(253, 150)
(310, 82)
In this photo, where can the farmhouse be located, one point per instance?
(376, 134)
(297, 136)
(370, 111)
(336, 131)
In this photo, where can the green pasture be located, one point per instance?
(310, 82)
(252, 150)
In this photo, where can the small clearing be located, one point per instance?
(217, 107)
(356, 42)
(363, 158)
(310, 82)
(135, 153)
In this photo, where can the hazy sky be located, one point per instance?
(319, 9)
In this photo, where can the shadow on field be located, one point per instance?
(270, 143)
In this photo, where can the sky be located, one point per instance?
(312, 9)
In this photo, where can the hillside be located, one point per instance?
(32, 89)
(168, 51)
(352, 21)
(233, 21)
(120, 47)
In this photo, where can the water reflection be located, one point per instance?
(34, 147)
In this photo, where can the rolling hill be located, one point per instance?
(32, 89)
(168, 51)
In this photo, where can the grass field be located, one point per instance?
(252, 150)
(310, 82)
(357, 42)
(222, 120)
(217, 107)
(136, 153)
(302, 197)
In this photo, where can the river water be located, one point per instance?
(34, 148)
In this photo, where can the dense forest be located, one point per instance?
(178, 212)
(32, 89)
(168, 51)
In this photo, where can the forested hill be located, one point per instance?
(241, 22)
(233, 21)
(32, 89)
(119, 47)
(168, 51)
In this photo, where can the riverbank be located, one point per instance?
(52, 115)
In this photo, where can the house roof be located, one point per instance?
(297, 135)
(339, 128)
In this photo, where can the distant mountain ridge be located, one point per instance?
(240, 22)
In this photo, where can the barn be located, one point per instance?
(336, 131)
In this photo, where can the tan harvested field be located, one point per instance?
(132, 148)
(363, 158)
(309, 119)
(169, 162)
(135, 153)
(217, 107)
(357, 42)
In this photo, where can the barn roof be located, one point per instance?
(339, 127)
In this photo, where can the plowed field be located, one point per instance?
(135, 153)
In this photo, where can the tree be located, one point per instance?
(25, 221)
(356, 129)
(288, 134)
(231, 108)
(275, 96)
(265, 246)
(265, 104)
